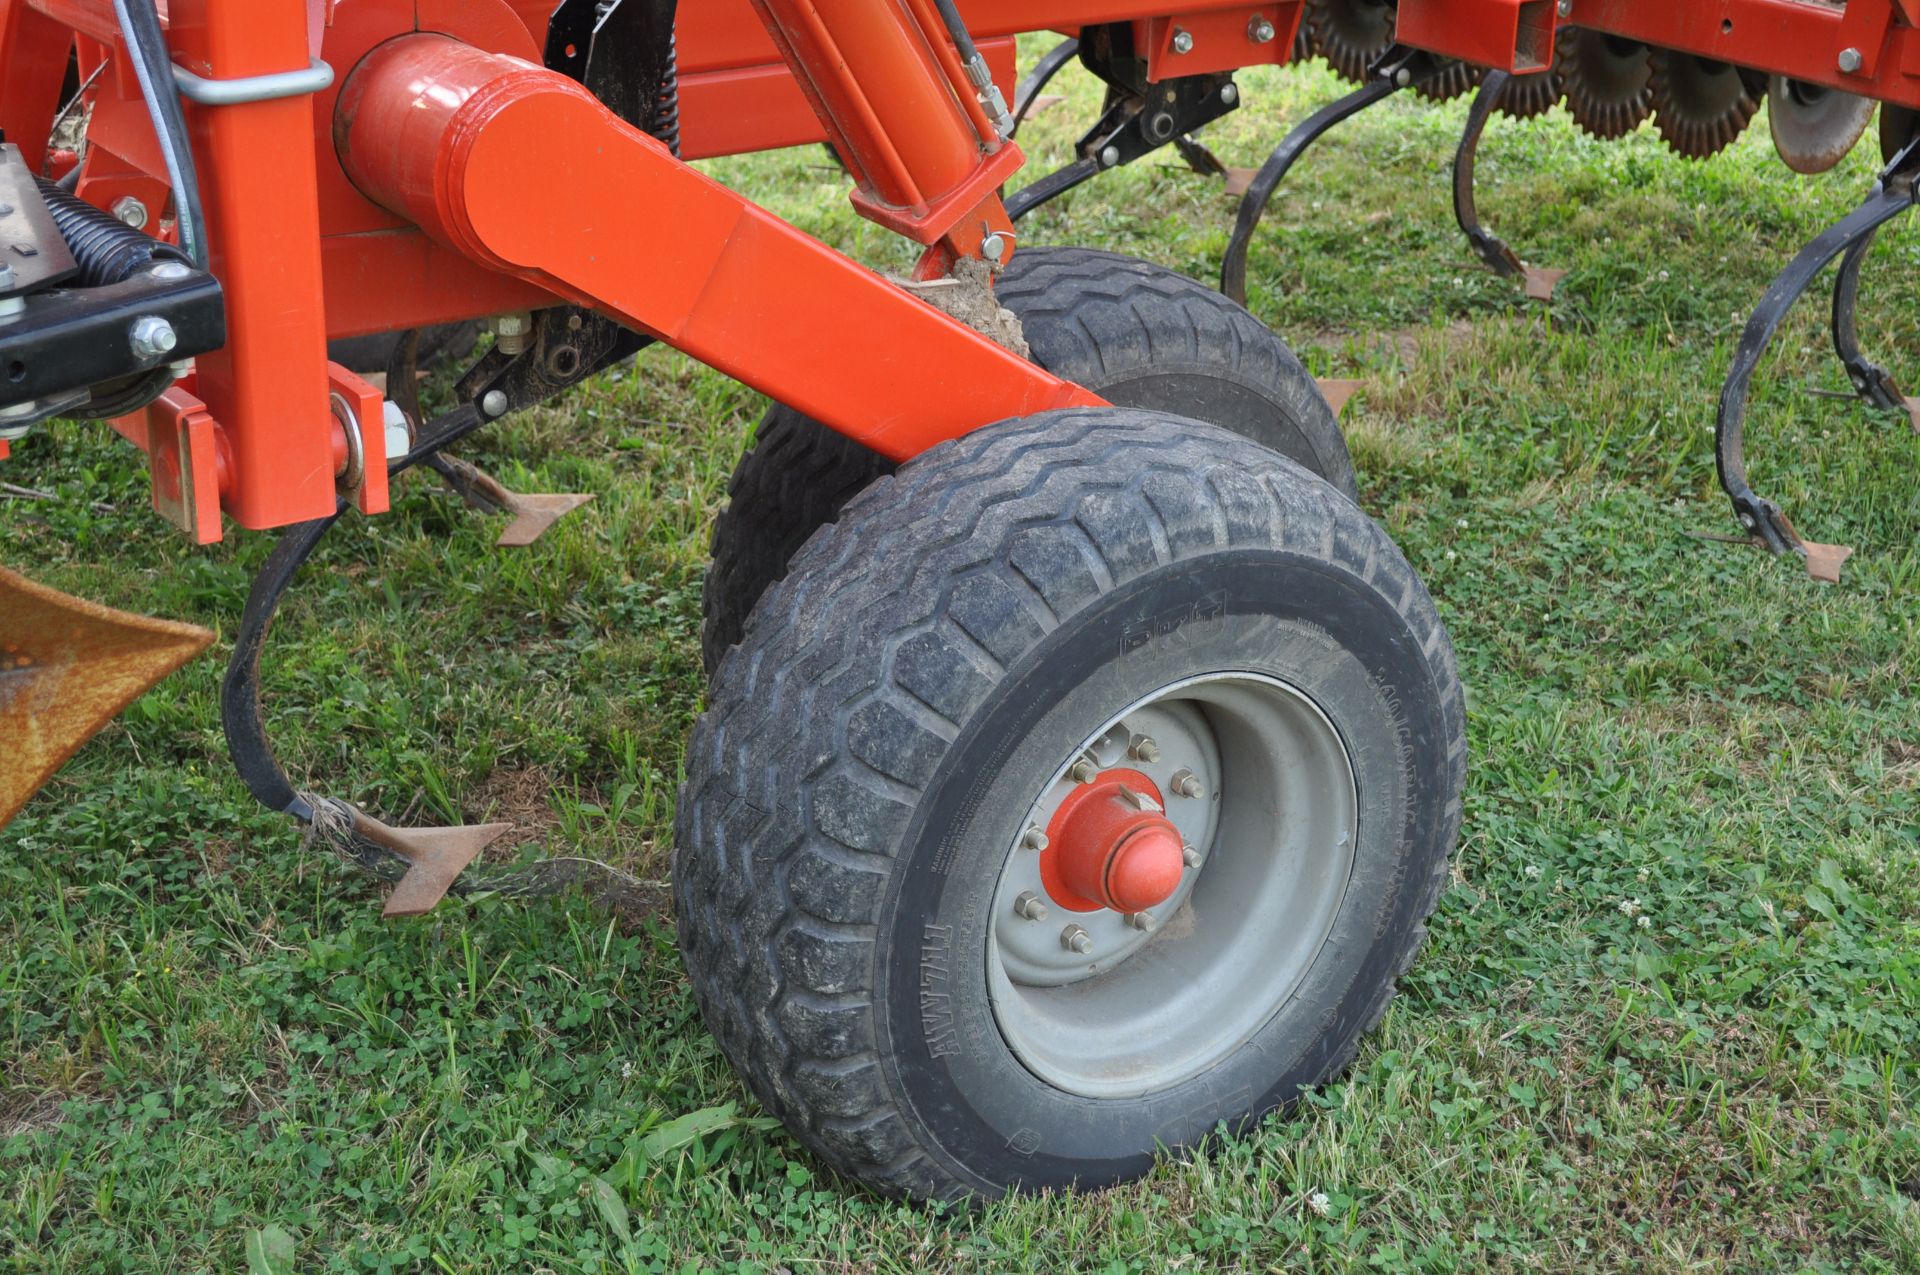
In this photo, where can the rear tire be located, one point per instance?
(1135, 333)
(922, 683)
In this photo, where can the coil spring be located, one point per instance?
(665, 125)
(108, 251)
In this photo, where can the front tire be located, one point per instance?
(904, 711)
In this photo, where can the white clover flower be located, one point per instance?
(1451, 555)
(1462, 524)
(626, 1071)
(1645, 873)
(1533, 872)
(1319, 1203)
(1630, 907)
(1645, 922)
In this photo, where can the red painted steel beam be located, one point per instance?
(445, 135)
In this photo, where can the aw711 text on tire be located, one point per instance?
(1086, 785)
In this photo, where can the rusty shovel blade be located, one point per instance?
(533, 515)
(435, 856)
(67, 668)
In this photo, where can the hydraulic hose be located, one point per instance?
(153, 67)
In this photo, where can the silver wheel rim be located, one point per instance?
(1142, 1004)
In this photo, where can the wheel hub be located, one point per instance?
(1111, 845)
(1170, 884)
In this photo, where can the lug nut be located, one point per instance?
(152, 337)
(1033, 838)
(1083, 771)
(1144, 749)
(1260, 30)
(1028, 906)
(1185, 784)
(1142, 921)
(1182, 41)
(1190, 856)
(1075, 939)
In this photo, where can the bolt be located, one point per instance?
(1260, 30)
(1142, 921)
(12, 308)
(1075, 939)
(131, 211)
(1182, 41)
(1566, 8)
(169, 270)
(1028, 906)
(399, 435)
(1109, 157)
(1850, 60)
(1190, 856)
(495, 403)
(1230, 94)
(1185, 783)
(1144, 749)
(1033, 838)
(1082, 771)
(1746, 520)
(6, 276)
(1403, 77)
(152, 338)
(511, 332)
(994, 248)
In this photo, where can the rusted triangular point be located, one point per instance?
(1239, 179)
(67, 668)
(1824, 561)
(532, 515)
(1045, 102)
(436, 858)
(1338, 392)
(1540, 281)
(1913, 412)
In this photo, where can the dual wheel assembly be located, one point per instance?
(1077, 787)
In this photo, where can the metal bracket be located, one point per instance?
(315, 78)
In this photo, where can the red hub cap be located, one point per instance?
(1111, 845)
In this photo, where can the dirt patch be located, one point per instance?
(30, 1113)
(521, 796)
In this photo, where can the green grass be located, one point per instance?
(1669, 1014)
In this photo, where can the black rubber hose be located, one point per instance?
(153, 67)
(109, 251)
(957, 28)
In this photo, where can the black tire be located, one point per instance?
(1137, 334)
(958, 625)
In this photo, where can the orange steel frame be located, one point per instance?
(581, 207)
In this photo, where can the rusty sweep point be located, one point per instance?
(67, 668)
(436, 858)
(532, 515)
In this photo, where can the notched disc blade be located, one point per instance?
(1814, 126)
(1350, 34)
(1529, 96)
(435, 856)
(1701, 106)
(1605, 81)
(1455, 81)
(67, 668)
